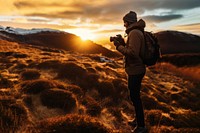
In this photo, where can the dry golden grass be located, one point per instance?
(106, 88)
(13, 115)
(182, 60)
(37, 85)
(49, 64)
(71, 71)
(78, 91)
(57, 98)
(190, 73)
(30, 74)
(93, 107)
(72, 124)
(5, 83)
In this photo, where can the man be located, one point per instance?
(133, 50)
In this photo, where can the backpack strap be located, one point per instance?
(140, 54)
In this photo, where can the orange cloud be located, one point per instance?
(189, 28)
(35, 25)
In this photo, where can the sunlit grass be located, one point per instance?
(64, 91)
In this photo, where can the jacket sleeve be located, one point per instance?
(133, 44)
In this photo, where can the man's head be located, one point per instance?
(130, 18)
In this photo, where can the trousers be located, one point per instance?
(134, 86)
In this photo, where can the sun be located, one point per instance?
(84, 34)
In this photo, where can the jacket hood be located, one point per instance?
(140, 25)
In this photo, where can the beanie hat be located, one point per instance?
(130, 17)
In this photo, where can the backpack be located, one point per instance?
(152, 49)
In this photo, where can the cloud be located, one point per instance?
(98, 12)
(179, 4)
(109, 31)
(192, 28)
(63, 14)
(162, 4)
(37, 20)
(35, 25)
(23, 4)
(163, 18)
(101, 11)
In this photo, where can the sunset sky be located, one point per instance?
(99, 19)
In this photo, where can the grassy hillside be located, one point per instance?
(48, 90)
(173, 42)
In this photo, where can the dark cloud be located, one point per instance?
(180, 4)
(37, 20)
(36, 25)
(111, 12)
(141, 5)
(64, 14)
(163, 18)
(24, 4)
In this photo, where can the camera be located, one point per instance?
(117, 37)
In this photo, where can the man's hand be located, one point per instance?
(116, 43)
(121, 40)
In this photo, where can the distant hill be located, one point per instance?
(173, 42)
(54, 39)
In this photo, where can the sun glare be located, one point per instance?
(84, 34)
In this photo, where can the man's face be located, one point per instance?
(125, 24)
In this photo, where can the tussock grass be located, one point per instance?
(27, 99)
(99, 68)
(116, 112)
(181, 60)
(49, 64)
(149, 102)
(78, 91)
(120, 87)
(5, 83)
(72, 124)
(89, 81)
(91, 70)
(71, 71)
(186, 130)
(93, 107)
(39, 85)
(12, 115)
(30, 74)
(185, 119)
(162, 129)
(189, 73)
(105, 89)
(20, 55)
(111, 72)
(158, 118)
(18, 67)
(57, 98)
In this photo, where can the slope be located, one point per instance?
(48, 90)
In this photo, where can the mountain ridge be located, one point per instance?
(171, 42)
(56, 39)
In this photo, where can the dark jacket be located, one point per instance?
(134, 49)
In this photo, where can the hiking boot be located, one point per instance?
(140, 130)
(132, 123)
